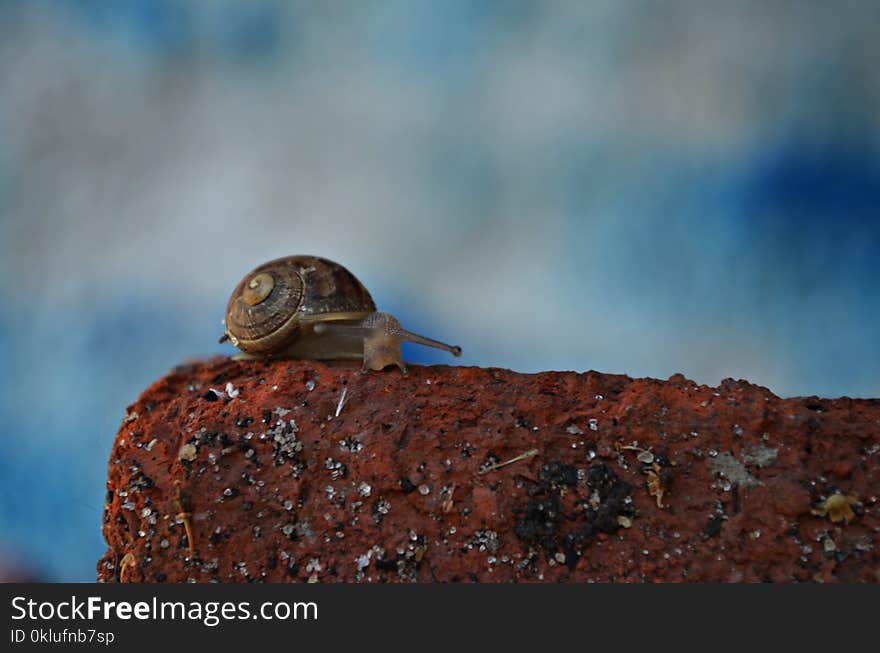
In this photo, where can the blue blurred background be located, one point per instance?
(632, 187)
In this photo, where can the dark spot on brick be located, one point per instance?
(386, 564)
(406, 485)
(557, 474)
(713, 526)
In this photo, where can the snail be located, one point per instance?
(310, 307)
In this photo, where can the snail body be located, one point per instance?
(310, 307)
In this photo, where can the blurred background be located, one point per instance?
(632, 187)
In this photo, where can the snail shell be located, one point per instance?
(269, 307)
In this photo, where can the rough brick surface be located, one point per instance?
(298, 471)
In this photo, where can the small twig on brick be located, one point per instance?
(448, 501)
(515, 459)
(341, 400)
(184, 515)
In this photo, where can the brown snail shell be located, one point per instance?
(271, 304)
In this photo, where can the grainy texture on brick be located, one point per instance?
(296, 471)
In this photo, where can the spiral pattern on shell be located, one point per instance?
(268, 305)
